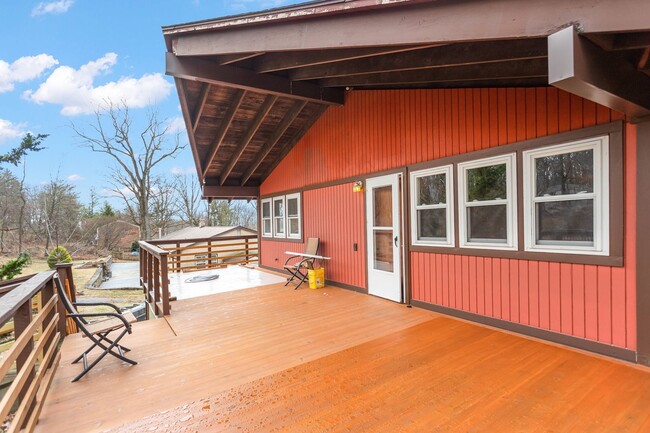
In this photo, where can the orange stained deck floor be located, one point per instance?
(271, 359)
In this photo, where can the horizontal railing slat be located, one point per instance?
(10, 302)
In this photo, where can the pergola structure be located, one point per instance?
(251, 85)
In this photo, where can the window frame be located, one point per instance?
(448, 171)
(600, 197)
(266, 234)
(511, 243)
(288, 233)
(282, 235)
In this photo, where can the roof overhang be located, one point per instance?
(251, 85)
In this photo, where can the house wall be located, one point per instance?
(382, 130)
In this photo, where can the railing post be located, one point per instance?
(156, 284)
(149, 274)
(65, 274)
(47, 293)
(246, 257)
(209, 254)
(179, 266)
(164, 280)
(22, 319)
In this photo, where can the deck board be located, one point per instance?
(272, 359)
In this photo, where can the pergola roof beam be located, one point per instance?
(182, 97)
(230, 76)
(252, 129)
(273, 62)
(443, 56)
(497, 70)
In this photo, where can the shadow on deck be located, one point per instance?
(330, 360)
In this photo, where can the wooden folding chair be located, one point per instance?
(301, 265)
(98, 331)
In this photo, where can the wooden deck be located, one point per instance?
(274, 359)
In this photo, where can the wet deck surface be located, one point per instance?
(274, 359)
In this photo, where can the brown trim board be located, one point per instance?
(543, 334)
(643, 243)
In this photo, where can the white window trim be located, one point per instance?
(284, 217)
(448, 171)
(600, 195)
(270, 217)
(299, 217)
(511, 202)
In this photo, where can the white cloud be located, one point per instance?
(74, 177)
(75, 89)
(112, 193)
(176, 124)
(24, 69)
(55, 7)
(9, 130)
(181, 170)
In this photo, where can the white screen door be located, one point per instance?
(383, 234)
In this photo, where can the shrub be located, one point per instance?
(58, 255)
(13, 267)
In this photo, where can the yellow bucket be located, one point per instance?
(316, 278)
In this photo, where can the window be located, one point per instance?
(487, 206)
(432, 201)
(278, 217)
(267, 230)
(293, 216)
(282, 216)
(566, 198)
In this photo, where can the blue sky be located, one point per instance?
(59, 58)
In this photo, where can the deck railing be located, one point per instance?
(35, 349)
(205, 253)
(154, 278)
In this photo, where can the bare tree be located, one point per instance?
(9, 195)
(189, 194)
(61, 212)
(163, 204)
(135, 156)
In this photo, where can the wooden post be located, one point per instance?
(22, 319)
(178, 257)
(149, 275)
(209, 254)
(165, 284)
(47, 293)
(246, 243)
(65, 274)
(156, 284)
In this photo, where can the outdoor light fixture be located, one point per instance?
(358, 186)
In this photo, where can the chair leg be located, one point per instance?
(107, 350)
(103, 337)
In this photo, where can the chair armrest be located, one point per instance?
(118, 316)
(97, 304)
(290, 258)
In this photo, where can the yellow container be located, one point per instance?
(316, 278)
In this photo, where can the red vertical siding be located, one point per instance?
(380, 130)
(343, 227)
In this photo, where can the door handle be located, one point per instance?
(395, 241)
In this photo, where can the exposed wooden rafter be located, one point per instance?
(198, 110)
(262, 112)
(445, 56)
(273, 62)
(230, 76)
(228, 117)
(495, 70)
(287, 120)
